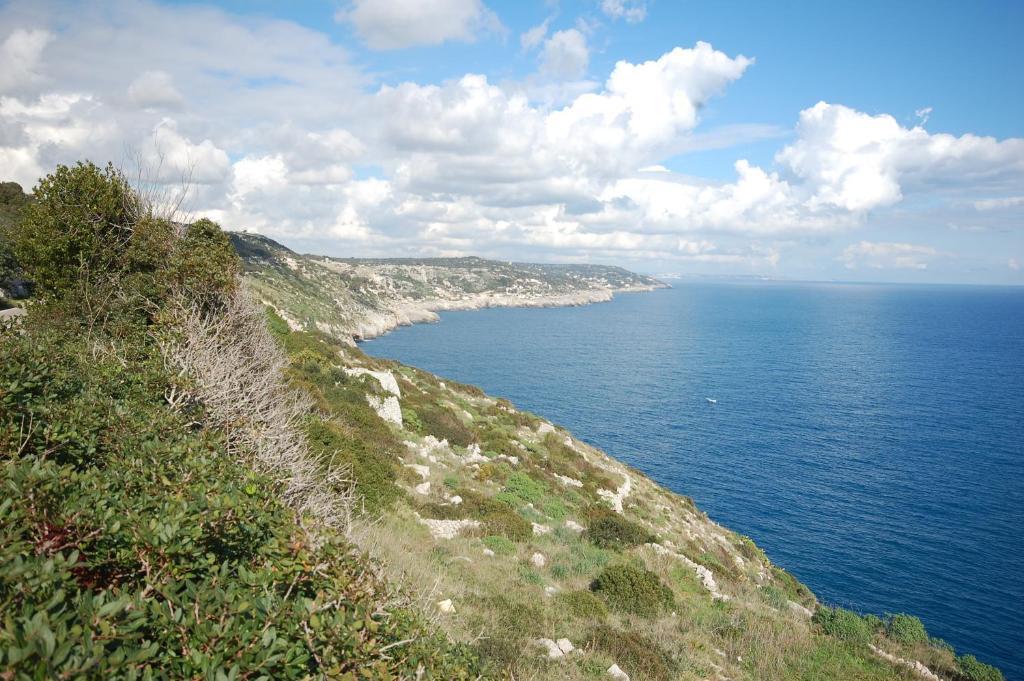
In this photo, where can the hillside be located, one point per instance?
(526, 542)
(199, 485)
(363, 298)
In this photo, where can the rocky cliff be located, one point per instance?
(363, 298)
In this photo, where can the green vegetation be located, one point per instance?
(634, 590)
(906, 629)
(582, 605)
(189, 477)
(138, 538)
(638, 655)
(612, 531)
(843, 624)
(970, 669)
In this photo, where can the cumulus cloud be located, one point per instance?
(19, 55)
(885, 255)
(281, 133)
(533, 36)
(856, 161)
(633, 11)
(397, 24)
(565, 55)
(155, 89)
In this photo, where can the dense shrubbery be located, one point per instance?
(178, 558)
(633, 590)
(136, 543)
(906, 629)
(612, 531)
(637, 654)
(843, 624)
(970, 669)
(582, 605)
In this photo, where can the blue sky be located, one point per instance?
(854, 141)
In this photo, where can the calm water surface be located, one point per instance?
(869, 438)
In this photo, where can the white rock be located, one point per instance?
(456, 500)
(388, 408)
(540, 529)
(545, 428)
(489, 553)
(565, 645)
(566, 480)
(424, 471)
(554, 652)
(448, 529)
(800, 610)
(446, 606)
(538, 560)
(385, 378)
(422, 488)
(550, 590)
(616, 498)
(617, 673)
(573, 525)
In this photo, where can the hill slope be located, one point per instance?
(363, 298)
(526, 542)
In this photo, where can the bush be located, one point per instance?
(906, 629)
(843, 624)
(612, 531)
(638, 655)
(501, 546)
(633, 590)
(144, 550)
(971, 669)
(581, 605)
(78, 229)
(522, 486)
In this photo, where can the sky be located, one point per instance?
(868, 141)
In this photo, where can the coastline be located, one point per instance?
(426, 311)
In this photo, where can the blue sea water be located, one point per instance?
(870, 438)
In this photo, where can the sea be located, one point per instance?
(870, 438)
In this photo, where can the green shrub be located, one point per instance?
(501, 546)
(372, 468)
(143, 549)
(637, 655)
(906, 629)
(971, 669)
(612, 531)
(444, 424)
(633, 590)
(581, 605)
(508, 524)
(843, 624)
(774, 597)
(522, 486)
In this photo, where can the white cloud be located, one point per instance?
(19, 55)
(397, 24)
(1013, 264)
(275, 122)
(155, 89)
(533, 36)
(565, 55)
(633, 11)
(999, 204)
(885, 255)
(923, 115)
(854, 161)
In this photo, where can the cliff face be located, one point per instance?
(364, 298)
(550, 557)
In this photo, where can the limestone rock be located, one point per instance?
(422, 488)
(446, 606)
(617, 673)
(565, 645)
(538, 560)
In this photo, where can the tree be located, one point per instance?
(76, 233)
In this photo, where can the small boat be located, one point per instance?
(711, 401)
